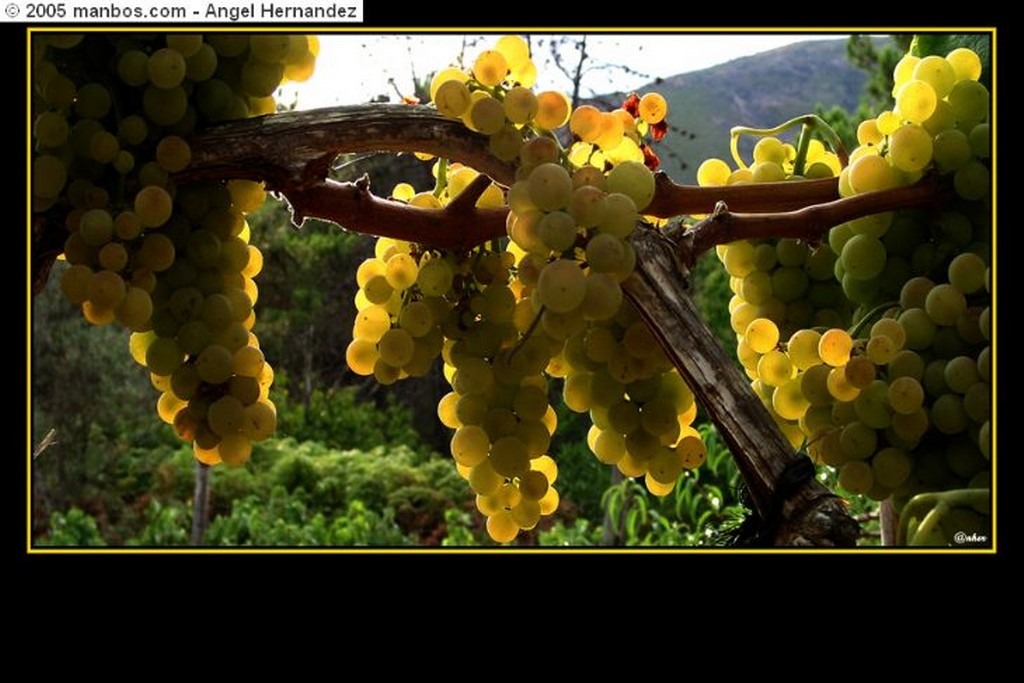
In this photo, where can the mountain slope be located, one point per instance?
(762, 91)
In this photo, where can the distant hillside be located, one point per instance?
(761, 91)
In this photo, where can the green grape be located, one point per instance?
(948, 414)
(858, 441)
(561, 286)
(361, 356)
(166, 68)
(891, 467)
(75, 283)
(713, 172)
(557, 230)
(490, 68)
(215, 364)
(978, 401)
(92, 101)
(49, 176)
(872, 405)
(981, 140)
(839, 387)
(859, 371)
(943, 118)
(834, 347)
(603, 297)
(966, 64)
(756, 287)
(973, 180)
(259, 79)
(653, 108)
(248, 361)
(891, 328)
(789, 401)
(620, 215)
(634, 180)
(487, 115)
(802, 349)
(970, 102)
(960, 373)
(937, 72)
(173, 153)
(910, 148)
(470, 446)
(165, 107)
(951, 150)
(401, 272)
(916, 100)
(153, 206)
(739, 258)
(553, 109)
(774, 368)
(520, 105)
(814, 384)
(906, 395)
(985, 364)
(967, 272)
(919, 327)
(202, 64)
(235, 450)
(944, 304)
(226, 416)
(435, 277)
(506, 143)
(856, 477)
(762, 335)
(50, 129)
(863, 257)
(550, 187)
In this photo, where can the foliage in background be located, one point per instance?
(878, 64)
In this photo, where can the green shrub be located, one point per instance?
(74, 529)
(286, 521)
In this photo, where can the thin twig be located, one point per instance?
(49, 440)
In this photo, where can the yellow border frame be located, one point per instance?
(357, 28)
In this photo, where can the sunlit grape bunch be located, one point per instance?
(502, 316)
(872, 350)
(171, 263)
(940, 119)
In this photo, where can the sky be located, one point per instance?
(352, 69)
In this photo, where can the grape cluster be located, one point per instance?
(502, 318)
(873, 350)
(940, 120)
(172, 264)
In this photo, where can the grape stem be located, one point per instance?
(807, 120)
(802, 145)
(529, 333)
(938, 503)
(442, 177)
(871, 315)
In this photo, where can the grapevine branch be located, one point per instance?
(812, 515)
(808, 223)
(293, 152)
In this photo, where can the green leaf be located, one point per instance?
(942, 44)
